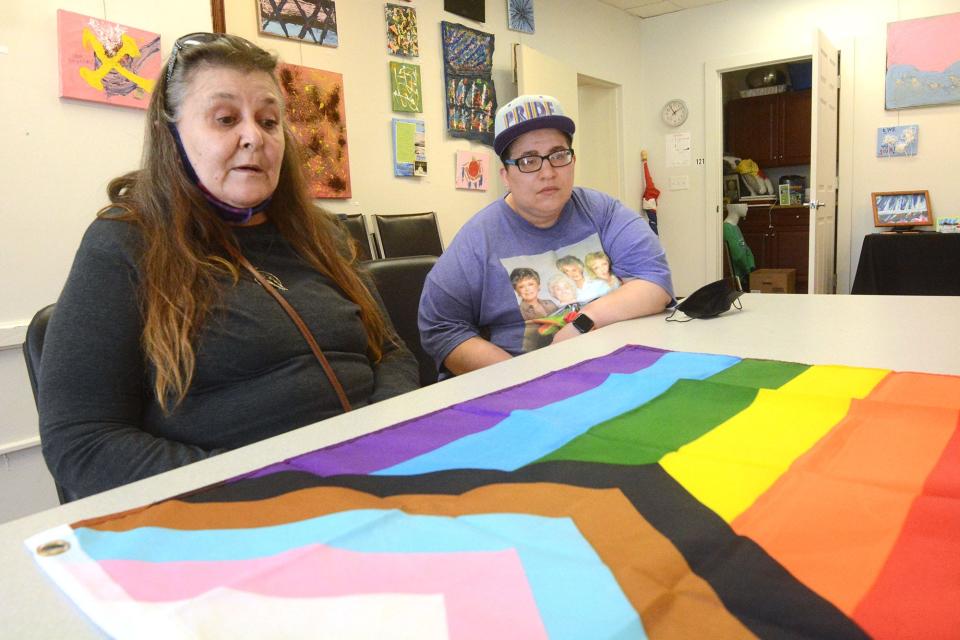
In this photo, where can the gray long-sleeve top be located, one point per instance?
(255, 376)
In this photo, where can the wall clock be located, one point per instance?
(675, 112)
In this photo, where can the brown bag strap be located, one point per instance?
(297, 320)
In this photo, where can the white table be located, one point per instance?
(896, 332)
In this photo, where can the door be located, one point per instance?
(794, 129)
(749, 130)
(823, 166)
(538, 73)
(594, 106)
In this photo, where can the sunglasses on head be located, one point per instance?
(185, 42)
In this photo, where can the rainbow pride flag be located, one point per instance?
(642, 494)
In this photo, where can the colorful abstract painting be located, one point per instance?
(313, 21)
(106, 62)
(471, 9)
(897, 141)
(520, 15)
(646, 493)
(409, 148)
(472, 170)
(923, 62)
(471, 98)
(316, 112)
(401, 30)
(405, 93)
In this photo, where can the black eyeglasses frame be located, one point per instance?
(550, 157)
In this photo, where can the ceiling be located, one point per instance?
(651, 8)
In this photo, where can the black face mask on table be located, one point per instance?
(708, 301)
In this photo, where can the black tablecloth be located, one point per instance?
(923, 264)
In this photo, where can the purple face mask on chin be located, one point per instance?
(228, 213)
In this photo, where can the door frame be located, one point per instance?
(713, 150)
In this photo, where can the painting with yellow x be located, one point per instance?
(106, 62)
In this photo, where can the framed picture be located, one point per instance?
(897, 141)
(902, 208)
(106, 62)
(922, 57)
(520, 15)
(731, 187)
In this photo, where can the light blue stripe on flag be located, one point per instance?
(576, 594)
(525, 436)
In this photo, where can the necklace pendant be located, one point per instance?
(274, 281)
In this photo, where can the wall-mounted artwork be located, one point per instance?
(317, 116)
(405, 93)
(902, 208)
(409, 148)
(520, 15)
(106, 62)
(472, 9)
(401, 30)
(471, 99)
(472, 170)
(897, 141)
(923, 62)
(313, 21)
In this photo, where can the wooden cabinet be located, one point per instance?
(773, 130)
(779, 238)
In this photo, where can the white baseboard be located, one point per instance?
(19, 445)
(12, 335)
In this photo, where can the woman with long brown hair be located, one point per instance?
(170, 341)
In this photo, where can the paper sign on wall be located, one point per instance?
(678, 149)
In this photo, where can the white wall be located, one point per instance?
(593, 38)
(58, 155)
(677, 47)
(55, 161)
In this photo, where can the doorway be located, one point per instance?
(831, 158)
(766, 173)
(599, 143)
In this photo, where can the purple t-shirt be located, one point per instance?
(555, 271)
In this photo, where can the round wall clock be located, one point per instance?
(675, 112)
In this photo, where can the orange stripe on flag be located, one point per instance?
(833, 518)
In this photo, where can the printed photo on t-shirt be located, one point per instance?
(551, 287)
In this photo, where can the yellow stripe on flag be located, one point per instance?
(836, 381)
(728, 468)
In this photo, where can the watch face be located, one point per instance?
(675, 113)
(583, 323)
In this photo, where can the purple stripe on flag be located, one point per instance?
(402, 441)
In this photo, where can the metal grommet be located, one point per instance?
(53, 548)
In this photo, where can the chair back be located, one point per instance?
(414, 234)
(33, 344)
(728, 273)
(400, 282)
(32, 350)
(356, 226)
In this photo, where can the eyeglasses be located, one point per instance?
(189, 40)
(532, 164)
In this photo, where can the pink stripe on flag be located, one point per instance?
(486, 592)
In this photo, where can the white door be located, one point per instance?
(537, 73)
(823, 166)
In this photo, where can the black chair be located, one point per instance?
(356, 225)
(400, 282)
(33, 344)
(414, 234)
(32, 350)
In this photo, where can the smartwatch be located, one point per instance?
(582, 323)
